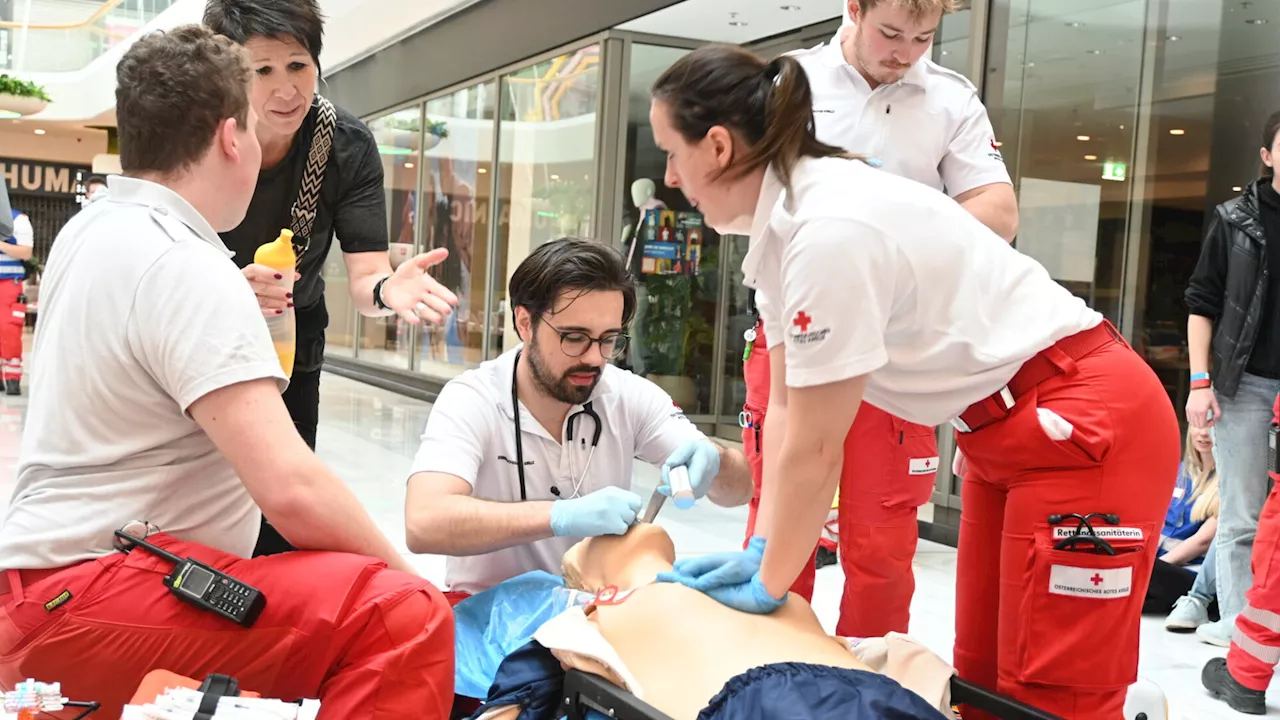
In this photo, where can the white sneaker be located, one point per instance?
(1217, 633)
(1189, 613)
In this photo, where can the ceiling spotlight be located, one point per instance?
(1083, 138)
(1095, 52)
(1236, 188)
(1177, 131)
(1174, 38)
(482, 170)
(408, 165)
(39, 131)
(1074, 24)
(1121, 127)
(1257, 21)
(944, 52)
(555, 177)
(1090, 157)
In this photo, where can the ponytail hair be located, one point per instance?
(769, 105)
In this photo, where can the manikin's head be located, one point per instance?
(182, 110)
(284, 39)
(642, 191)
(572, 300)
(891, 35)
(1270, 151)
(619, 560)
(723, 115)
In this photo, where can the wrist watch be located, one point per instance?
(377, 294)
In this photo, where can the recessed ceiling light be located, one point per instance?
(1095, 52)
(1177, 131)
(1174, 38)
(1083, 138)
(555, 177)
(1074, 24)
(1090, 157)
(1257, 21)
(408, 165)
(1030, 65)
(482, 170)
(1121, 127)
(944, 52)
(1236, 188)
(737, 23)
(39, 131)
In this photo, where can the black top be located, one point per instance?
(1265, 358)
(352, 202)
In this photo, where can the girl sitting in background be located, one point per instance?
(1186, 540)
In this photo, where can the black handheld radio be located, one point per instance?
(205, 587)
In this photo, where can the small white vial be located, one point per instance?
(681, 490)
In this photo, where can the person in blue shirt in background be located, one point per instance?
(15, 248)
(1187, 539)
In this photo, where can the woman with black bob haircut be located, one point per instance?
(875, 287)
(321, 175)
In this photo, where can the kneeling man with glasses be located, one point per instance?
(529, 453)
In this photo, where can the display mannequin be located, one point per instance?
(644, 197)
(659, 622)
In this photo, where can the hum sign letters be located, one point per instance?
(31, 177)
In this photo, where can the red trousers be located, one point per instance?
(1058, 629)
(1255, 644)
(367, 641)
(889, 470)
(12, 321)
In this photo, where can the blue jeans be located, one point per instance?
(1205, 588)
(1241, 445)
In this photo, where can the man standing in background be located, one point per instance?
(16, 248)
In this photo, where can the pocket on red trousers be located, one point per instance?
(1080, 616)
(913, 472)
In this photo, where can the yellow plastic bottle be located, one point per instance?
(278, 255)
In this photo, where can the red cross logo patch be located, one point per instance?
(804, 330)
(802, 321)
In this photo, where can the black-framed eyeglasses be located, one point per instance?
(576, 344)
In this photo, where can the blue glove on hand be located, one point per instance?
(716, 570)
(604, 512)
(732, 579)
(701, 458)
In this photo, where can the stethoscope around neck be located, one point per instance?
(574, 419)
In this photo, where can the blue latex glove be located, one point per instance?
(732, 579)
(749, 597)
(701, 458)
(609, 511)
(716, 570)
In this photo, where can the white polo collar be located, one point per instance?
(506, 368)
(771, 196)
(833, 56)
(164, 202)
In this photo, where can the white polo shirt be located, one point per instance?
(471, 434)
(929, 126)
(142, 312)
(862, 272)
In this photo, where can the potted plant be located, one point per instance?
(436, 132)
(22, 96)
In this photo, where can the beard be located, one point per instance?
(560, 388)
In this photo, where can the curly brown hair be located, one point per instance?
(173, 90)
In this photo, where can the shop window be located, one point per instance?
(455, 203)
(386, 340)
(546, 167)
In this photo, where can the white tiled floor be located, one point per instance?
(368, 436)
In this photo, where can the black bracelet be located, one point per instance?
(377, 294)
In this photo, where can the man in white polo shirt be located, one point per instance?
(531, 452)
(877, 95)
(157, 399)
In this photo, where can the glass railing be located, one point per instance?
(67, 35)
